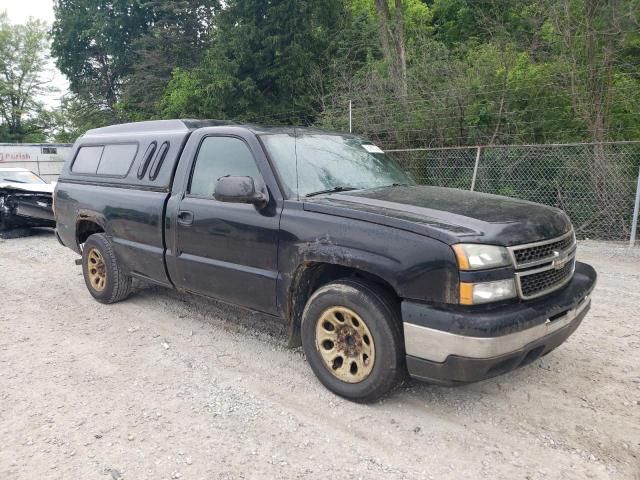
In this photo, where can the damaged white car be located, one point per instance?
(26, 200)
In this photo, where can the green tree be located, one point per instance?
(93, 45)
(260, 62)
(419, 72)
(119, 55)
(73, 117)
(23, 79)
(176, 37)
(591, 41)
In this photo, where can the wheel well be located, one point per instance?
(309, 278)
(85, 229)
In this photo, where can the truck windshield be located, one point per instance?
(331, 163)
(19, 176)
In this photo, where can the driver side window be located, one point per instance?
(218, 157)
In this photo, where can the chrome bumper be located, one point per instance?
(437, 345)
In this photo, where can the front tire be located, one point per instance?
(104, 277)
(352, 337)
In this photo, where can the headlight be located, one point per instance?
(473, 256)
(485, 292)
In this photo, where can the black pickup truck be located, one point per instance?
(375, 275)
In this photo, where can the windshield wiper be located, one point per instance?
(13, 180)
(339, 188)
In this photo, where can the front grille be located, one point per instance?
(541, 252)
(545, 266)
(545, 281)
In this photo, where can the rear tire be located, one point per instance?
(352, 337)
(104, 277)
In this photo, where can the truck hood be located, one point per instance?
(448, 214)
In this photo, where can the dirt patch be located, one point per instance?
(171, 386)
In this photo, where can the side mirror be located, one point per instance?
(239, 190)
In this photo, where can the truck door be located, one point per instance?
(224, 250)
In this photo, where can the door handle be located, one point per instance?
(185, 217)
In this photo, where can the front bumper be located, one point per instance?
(18, 209)
(455, 345)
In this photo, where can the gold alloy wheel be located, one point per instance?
(345, 344)
(96, 269)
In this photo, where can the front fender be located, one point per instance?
(327, 250)
(416, 267)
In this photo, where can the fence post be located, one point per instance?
(350, 117)
(475, 170)
(636, 208)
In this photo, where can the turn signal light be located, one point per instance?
(486, 292)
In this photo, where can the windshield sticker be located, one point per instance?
(372, 149)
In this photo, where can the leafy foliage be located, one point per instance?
(93, 43)
(22, 80)
(260, 62)
(418, 72)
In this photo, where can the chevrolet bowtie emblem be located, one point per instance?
(560, 259)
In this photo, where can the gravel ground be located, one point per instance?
(167, 386)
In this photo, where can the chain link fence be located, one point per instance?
(595, 183)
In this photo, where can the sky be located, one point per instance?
(19, 11)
